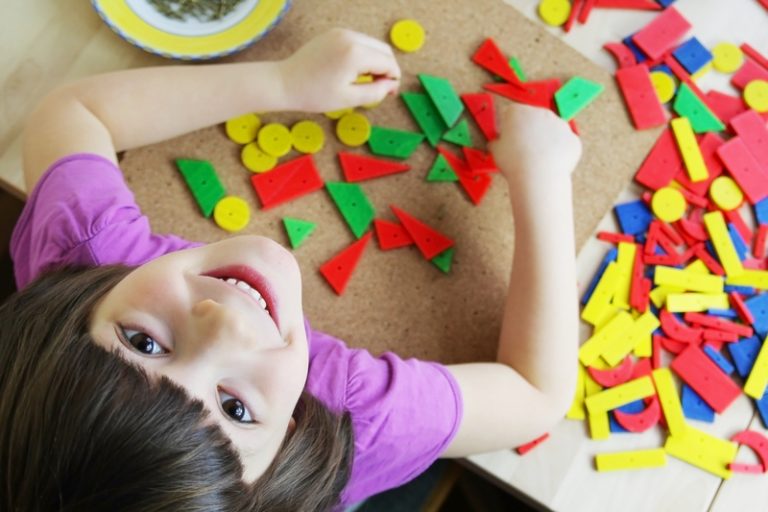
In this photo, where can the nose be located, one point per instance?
(216, 326)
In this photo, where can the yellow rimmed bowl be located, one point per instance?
(142, 25)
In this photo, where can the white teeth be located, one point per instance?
(247, 288)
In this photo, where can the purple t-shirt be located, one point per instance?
(404, 412)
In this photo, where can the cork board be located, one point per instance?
(396, 300)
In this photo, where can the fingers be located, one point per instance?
(368, 61)
(374, 92)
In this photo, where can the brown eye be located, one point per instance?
(234, 408)
(142, 342)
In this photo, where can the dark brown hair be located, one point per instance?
(83, 429)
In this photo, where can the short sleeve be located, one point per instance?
(404, 415)
(82, 213)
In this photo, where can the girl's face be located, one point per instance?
(225, 322)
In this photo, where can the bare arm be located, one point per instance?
(113, 112)
(531, 385)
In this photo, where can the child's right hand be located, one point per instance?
(534, 143)
(321, 75)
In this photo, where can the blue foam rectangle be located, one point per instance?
(762, 408)
(636, 51)
(743, 290)
(761, 211)
(607, 259)
(634, 217)
(694, 407)
(723, 313)
(758, 306)
(738, 243)
(692, 55)
(718, 359)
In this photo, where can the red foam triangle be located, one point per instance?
(339, 268)
(391, 235)
(538, 94)
(479, 162)
(362, 167)
(491, 58)
(429, 241)
(288, 181)
(474, 185)
(483, 110)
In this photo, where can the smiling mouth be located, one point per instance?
(251, 283)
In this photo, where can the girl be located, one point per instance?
(144, 372)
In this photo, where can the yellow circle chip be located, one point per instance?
(727, 57)
(231, 214)
(664, 85)
(275, 139)
(308, 137)
(407, 35)
(668, 204)
(756, 95)
(726, 193)
(353, 129)
(338, 114)
(554, 12)
(256, 160)
(243, 129)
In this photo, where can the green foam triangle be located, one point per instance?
(298, 230)
(702, 119)
(353, 204)
(393, 143)
(575, 95)
(517, 68)
(441, 170)
(202, 181)
(459, 134)
(444, 96)
(426, 115)
(444, 260)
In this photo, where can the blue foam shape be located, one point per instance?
(632, 408)
(634, 217)
(744, 353)
(692, 55)
(761, 211)
(665, 3)
(607, 259)
(723, 313)
(629, 43)
(758, 306)
(738, 242)
(743, 290)
(694, 407)
(719, 359)
(762, 408)
(711, 250)
(640, 238)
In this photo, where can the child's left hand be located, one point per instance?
(321, 75)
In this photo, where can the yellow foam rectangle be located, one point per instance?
(689, 148)
(636, 459)
(599, 304)
(670, 401)
(755, 278)
(758, 376)
(698, 267)
(599, 424)
(704, 451)
(690, 281)
(682, 302)
(625, 261)
(623, 345)
(659, 294)
(577, 411)
(721, 239)
(644, 347)
(620, 395)
(604, 337)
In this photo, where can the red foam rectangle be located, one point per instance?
(741, 308)
(575, 10)
(751, 52)
(525, 448)
(662, 33)
(718, 323)
(725, 106)
(745, 169)
(586, 9)
(640, 97)
(706, 378)
(712, 264)
(748, 71)
(662, 164)
(645, 5)
(751, 128)
(758, 248)
(615, 238)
